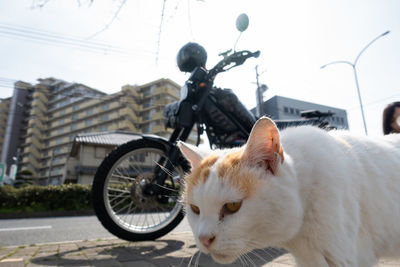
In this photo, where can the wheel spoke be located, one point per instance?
(119, 202)
(118, 190)
(123, 177)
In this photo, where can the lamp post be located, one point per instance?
(354, 65)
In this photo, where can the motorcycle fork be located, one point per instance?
(164, 167)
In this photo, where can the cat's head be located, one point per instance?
(240, 199)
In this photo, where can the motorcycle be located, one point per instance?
(136, 187)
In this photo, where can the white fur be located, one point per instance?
(335, 201)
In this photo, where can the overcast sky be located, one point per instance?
(67, 40)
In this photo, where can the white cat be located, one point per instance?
(329, 198)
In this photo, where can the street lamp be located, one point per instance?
(353, 65)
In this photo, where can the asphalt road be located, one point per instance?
(57, 229)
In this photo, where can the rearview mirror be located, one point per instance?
(242, 22)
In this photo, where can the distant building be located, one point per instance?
(89, 150)
(283, 108)
(4, 111)
(44, 119)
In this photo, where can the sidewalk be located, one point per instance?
(174, 249)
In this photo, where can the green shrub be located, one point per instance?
(45, 198)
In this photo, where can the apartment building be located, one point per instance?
(53, 112)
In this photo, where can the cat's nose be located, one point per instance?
(207, 240)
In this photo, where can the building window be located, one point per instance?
(59, 141)
(104, 107)
(76, 107)
(148, 104)
(55, 171)
(88, 122)
(89, 112)
(286, 109)
(61, 122)
(148, 91)
(74, 127)
(75, 117)
(60, 131)
(104, 128)
(104, 118)
(291, 110)
(56, 151)
(147, 115)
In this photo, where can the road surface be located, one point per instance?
(57, 229)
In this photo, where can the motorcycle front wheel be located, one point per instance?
(118, 198)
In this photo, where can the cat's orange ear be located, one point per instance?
(191, 153)
(263, 147)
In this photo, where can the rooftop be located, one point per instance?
(114, 138)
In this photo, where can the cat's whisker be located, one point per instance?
(197, 259)
(245, 260)
(273, 254)
(190, 261)
(241, 256)
(258, 256)
(180, 264)
(191, 258)
(163, 168)
(251, 260)
(248, 258)
(242, 261)
(271, 251)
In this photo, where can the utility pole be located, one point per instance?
(259, 95)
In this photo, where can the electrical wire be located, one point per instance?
(58, 39)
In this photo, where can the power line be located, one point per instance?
(52, 38)
(48, 34)
(7, 79)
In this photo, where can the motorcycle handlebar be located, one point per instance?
(237, 59)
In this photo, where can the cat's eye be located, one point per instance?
(232, 207)
(195, 209)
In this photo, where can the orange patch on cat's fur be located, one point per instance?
(233, 169)
(200, 174)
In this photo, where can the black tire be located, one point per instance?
(117, 199)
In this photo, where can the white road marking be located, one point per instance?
(26, 228)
